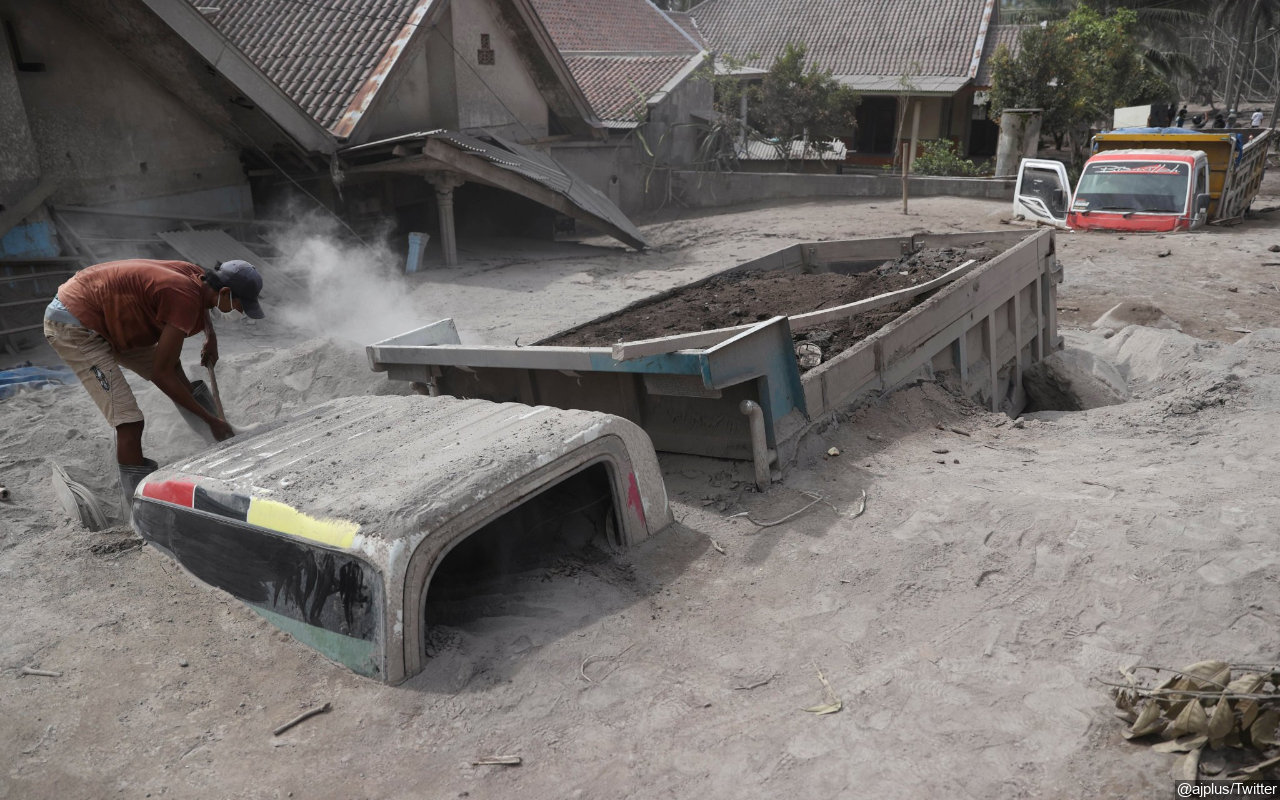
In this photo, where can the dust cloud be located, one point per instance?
(339, 287)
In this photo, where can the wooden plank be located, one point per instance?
(69, 233)
(905, 345)
(878, 359)
(22, 329)
(110, 212)
(62, 273)
(880, 249)
(787, 257)
(992, 282)
(993, 382)
(843, 378)
(814, 318)
(625, 351)
(31, 302)
(1018, 365)
(488, 356)
(815, 399)
(1037, 302)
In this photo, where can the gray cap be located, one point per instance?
(243, 280)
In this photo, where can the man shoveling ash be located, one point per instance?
(137, 314)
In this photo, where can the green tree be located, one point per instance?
(1078, 69)
(796, 101)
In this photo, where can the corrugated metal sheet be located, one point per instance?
(756, 150)
(545, 170)
(207, 248)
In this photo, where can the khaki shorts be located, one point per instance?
(97, 366)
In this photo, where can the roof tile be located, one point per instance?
(318, 51)
(611, 26)
(849, 37)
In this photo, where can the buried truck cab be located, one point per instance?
(333, 524)
(1144, 181)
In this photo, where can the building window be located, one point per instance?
(484, 56)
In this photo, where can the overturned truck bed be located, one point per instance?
(738, 391)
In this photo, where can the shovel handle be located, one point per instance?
(217, 398)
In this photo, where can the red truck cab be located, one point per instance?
(1152, 191)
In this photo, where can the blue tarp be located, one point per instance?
(34, 240)
(13, 381)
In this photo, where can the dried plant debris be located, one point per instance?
(831, 703)
(1231, 711)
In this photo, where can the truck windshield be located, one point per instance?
(1136, 186)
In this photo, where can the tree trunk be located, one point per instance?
(1247, 55)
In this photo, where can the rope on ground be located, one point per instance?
(816, 500)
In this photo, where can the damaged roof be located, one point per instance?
(334, 56)
(320, 52)
(496, 161)
(864, 43)
(621, 52)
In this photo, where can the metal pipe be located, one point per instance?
(761, 456)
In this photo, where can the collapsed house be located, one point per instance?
(128, 125)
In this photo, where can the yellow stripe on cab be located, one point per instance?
(279, 517)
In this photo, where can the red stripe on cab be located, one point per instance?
(180, 493)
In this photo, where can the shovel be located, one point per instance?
(217, 399)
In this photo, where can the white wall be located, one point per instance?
(106, 130)
(501, 97)
(629, 176)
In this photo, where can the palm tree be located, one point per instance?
(1186, 38)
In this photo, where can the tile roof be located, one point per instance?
(618, 86)
(320, 52)
(611, 26)
(888, 38)
(689, 25)
(619, 51)
(1006, 35)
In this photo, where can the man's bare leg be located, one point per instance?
(129, 444)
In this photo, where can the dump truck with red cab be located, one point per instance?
(1152, 180)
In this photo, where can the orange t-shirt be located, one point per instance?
(130, 302)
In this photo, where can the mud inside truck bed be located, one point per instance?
(752, 295)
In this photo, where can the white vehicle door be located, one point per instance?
(1042, 192)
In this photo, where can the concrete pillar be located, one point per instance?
(444, 183)
(1019, 139)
